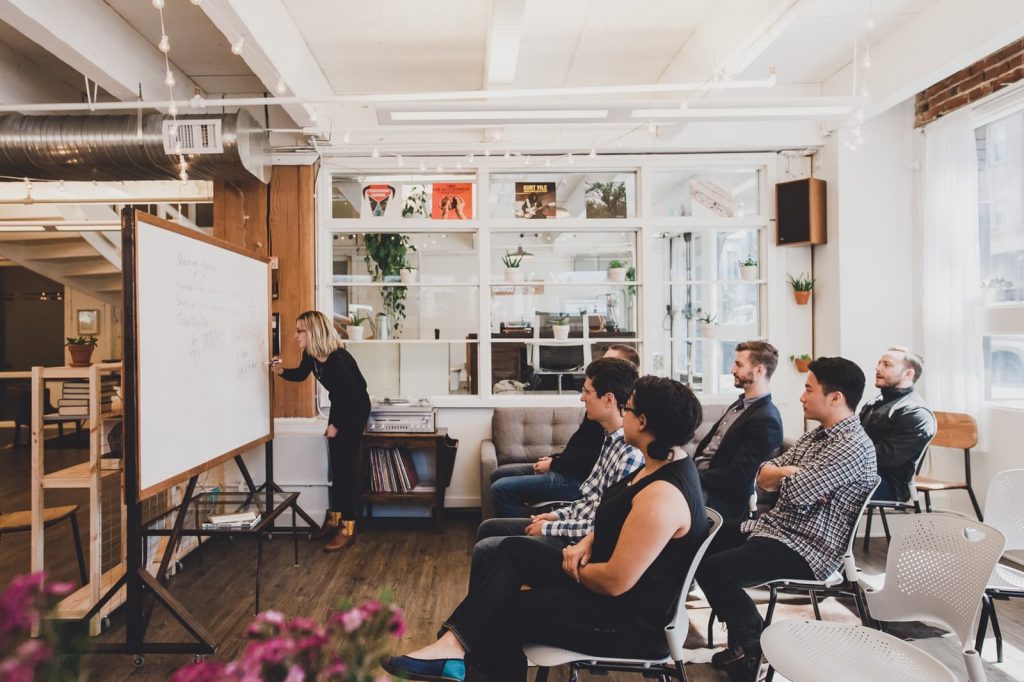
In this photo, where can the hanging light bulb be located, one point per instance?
(169, 79)
(375, 153)
(470, 159)
(401, 161)
(172, 110)
(423, 166)
(60, 186)
(547, 162)
(236, 47)
(570, 158)
(165, 44)
(159, 4)
(346, 138)
(440, 168)
(197, 101)
(487, 153)
(280, 88)
(458, 164)
(593, 153)
(867, 59)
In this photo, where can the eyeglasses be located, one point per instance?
(626, 408)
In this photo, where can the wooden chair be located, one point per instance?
(957, 431)
(21, 522)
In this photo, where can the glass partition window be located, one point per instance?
(414, 370)
(707, 305)
(432, 197)
(596, 196)
(705, 193)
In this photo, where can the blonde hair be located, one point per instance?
(323, 339)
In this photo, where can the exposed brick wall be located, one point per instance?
(981, 78)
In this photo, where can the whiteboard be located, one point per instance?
(203, 327)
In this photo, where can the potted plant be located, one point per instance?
(386, 255)
(802, 287)
(560, 327)
(512, 263)
(748, 269)
(707, 322)
(408, 274)
(354, 329)
(801, 362)
(998, 289)
(617, 271)
(81, 348)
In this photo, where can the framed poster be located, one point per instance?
(535, 200)
(88, 322)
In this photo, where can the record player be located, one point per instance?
(400, 415)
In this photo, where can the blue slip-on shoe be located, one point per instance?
(431, 670)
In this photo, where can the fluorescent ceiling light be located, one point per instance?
(496, 115)
(503, 38)
(744, 112)
(21, 228)
(89, 227)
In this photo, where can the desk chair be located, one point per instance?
(546, 657)
(958, 431)
(1004, 509)
(21, 522)
(913, 503)
(936, 570)
(843, 581)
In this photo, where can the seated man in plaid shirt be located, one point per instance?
(608, 385)
(822, 482)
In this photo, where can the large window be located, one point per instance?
(449, 283)
(1001, 234)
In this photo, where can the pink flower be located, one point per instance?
(295, 674)
(60, 589)
(371, 607)
(396, 625)
(351, 620)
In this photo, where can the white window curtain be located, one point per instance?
(953, 380)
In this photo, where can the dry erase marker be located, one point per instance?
(273, 362)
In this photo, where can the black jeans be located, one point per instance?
(343, 451)
(736, 561)
(497, 617)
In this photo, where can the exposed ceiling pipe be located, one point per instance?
(111, 148)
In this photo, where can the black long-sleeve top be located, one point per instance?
(340, 375)
(899, 425)
(580, 454)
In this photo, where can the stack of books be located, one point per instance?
(245, 520)
(391, 471)
(74, 400)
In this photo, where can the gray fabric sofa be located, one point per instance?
(525, 434)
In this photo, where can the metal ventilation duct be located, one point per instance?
(97, 147)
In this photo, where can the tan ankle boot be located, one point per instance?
(332, 520)
(344, 538)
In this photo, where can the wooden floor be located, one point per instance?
(427, 572)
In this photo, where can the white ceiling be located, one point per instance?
(320, 48)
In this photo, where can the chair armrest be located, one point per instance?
(488, 463)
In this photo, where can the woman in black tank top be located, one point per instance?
(611, 594)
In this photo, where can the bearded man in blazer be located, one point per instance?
(747, 435)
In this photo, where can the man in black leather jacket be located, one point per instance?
(747, 435)
(898, 422)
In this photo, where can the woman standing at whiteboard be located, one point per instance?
(337, 371)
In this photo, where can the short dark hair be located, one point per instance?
(613, 375)
(842, 375)
(672, 411)
(628, 351)
(910, 359)
(761, 353)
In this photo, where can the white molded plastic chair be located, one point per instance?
(546, 657)
(936, 571)
(843, 581)
(1004, 509)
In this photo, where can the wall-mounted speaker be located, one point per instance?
(800, 212)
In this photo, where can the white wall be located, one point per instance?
(865, 294)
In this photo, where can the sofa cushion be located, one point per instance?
(525, 434)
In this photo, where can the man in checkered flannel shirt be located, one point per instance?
(822, 483)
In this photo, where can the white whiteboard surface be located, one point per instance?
(203, 323)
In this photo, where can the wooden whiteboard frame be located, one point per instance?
(132, 347)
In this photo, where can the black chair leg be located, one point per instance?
(867, 527)
(974, 502)
(885, 525)
(680, 671)
(928, 501)
(542, 675)
(814, 603)
(771, 605)
(711, 630)
(995, 629)
(862, 611)
(83, 574)
(979, 638)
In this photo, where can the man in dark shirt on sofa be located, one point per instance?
(897, 422)
(748, 434)
(558, 477)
